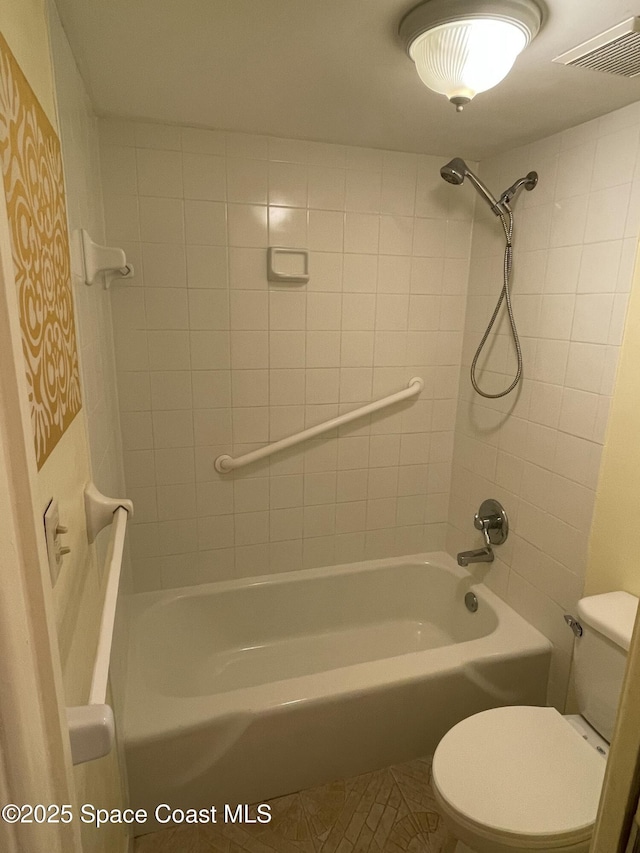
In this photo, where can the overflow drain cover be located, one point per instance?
(471, 602)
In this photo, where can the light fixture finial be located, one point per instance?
(460, 103)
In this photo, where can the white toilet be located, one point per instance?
(527, 778)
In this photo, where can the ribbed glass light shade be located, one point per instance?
(462, 58)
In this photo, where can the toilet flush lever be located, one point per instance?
(573, 623)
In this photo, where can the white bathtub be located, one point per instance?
(245, 690)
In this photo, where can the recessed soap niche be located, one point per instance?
(287, 266)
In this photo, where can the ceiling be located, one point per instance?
(331, 70)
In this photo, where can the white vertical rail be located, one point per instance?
(223, 464)
(91, 726)
(98, 692)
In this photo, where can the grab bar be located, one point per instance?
(91, 726)
(223, 464)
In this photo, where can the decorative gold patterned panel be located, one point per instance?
(34, 190)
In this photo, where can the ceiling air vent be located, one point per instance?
(616, 51)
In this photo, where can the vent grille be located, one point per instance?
(622, 56)
(616, 51)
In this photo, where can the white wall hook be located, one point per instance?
(99, 510)
(105, 259)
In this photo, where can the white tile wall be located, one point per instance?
(81, 160)
(539, 452)
(213, 359)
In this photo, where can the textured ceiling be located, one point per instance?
(331, 70)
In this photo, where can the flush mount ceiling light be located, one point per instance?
(462, 47)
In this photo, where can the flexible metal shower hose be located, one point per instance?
(506, 296)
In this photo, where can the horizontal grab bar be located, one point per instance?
(91, 726)
(223, 464)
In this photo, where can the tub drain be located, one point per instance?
(471, 602)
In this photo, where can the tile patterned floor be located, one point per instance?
(387, 811)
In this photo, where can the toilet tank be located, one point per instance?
(600, 656)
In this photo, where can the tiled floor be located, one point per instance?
(388, 811)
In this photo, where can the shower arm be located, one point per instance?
(528, 182)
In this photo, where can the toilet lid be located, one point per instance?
(520, 771)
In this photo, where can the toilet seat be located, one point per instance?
(522, 776)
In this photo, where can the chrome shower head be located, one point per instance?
(456, 171)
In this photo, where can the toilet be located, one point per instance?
(527, 778)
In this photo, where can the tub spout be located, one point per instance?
(481, 555)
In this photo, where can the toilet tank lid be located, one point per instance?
(612, 614)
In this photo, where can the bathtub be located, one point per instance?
(241, 691)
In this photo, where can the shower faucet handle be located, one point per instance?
(483, 525)
(492, 520)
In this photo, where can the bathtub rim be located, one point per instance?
(439, 559)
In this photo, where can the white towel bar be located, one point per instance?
(91, 726)
(225, 463)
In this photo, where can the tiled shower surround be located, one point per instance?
(213, 359)
(576, 237)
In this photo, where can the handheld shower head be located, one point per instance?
(456, 170)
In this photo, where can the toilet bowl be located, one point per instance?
(520, 779)
(526, 778)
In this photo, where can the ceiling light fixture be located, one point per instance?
(462, 47)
